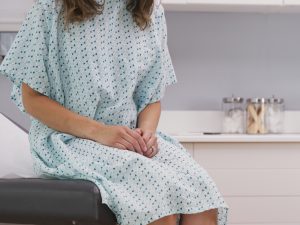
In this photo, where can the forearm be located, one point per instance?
(60, 118)
(148, 119)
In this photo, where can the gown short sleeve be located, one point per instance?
(162, 74)
(27, 58)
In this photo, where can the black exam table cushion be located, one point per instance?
(52, 201)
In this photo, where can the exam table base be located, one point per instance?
(51, 201)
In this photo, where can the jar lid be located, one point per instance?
(233, 99)
(256, 100)
(274, 100)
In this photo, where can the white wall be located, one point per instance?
(217, 54)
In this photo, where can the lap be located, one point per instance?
(94, 159)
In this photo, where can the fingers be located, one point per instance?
(119, 145)
(147, 135)
(139, 131)
(154, 152)
(132, 143)
(130, 139)
(126, 143)
(152, 142)
(133, 140)
(137, 137)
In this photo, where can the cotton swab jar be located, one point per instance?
(256, 116)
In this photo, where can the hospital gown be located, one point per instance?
(108, 69)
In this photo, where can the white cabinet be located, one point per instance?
(259, 181)
(189, 147)
(258, 175)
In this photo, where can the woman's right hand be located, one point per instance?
(121, 137)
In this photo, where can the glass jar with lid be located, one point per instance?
(256, 116)
(233, 120)
(275, 115)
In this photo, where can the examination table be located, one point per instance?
(25, 199)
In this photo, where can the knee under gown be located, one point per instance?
(107, 69)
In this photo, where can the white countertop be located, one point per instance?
(194, 137)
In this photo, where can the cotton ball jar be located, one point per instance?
(233, 120)
(275, 115)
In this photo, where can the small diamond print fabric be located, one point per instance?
(107, 69)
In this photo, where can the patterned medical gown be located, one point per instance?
(107, 69)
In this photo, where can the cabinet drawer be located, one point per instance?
(257, 182)
(261, 224)
(261, 210)
(189, 147)
(247, 155)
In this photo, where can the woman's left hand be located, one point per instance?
(150, 140)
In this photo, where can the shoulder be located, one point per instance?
(39, 16)
(158, 7)
(158, 15)
(157, 2)
(158, 11)
(48, 6)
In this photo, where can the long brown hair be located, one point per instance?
(80, 10)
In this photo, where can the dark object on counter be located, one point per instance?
(51, 201)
